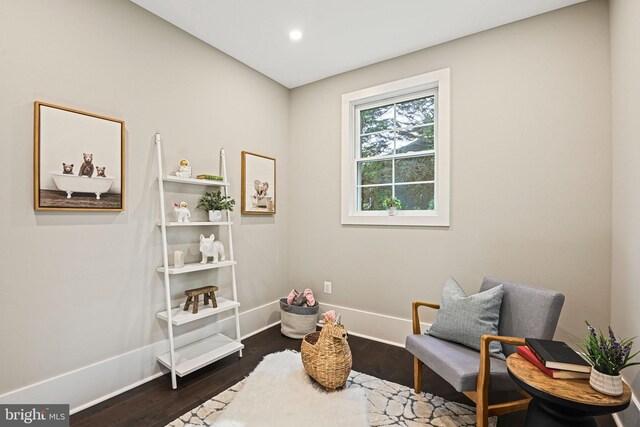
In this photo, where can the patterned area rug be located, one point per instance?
(389, 404)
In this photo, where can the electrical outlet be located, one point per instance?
(327, 287)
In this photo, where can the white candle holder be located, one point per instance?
(178, 259)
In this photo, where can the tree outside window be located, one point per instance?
(396, 154)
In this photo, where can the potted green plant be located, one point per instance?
(215, 203)
(608, 356)
(392, 204)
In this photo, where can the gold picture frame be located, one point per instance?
(78, 160)
(258, 184)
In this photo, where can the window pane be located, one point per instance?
(416, 196)
(371, 198)
(376, 144)
(415, 169)
(415, 112)
(374, 172)
(414, 139)
(376, 119)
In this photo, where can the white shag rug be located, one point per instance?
(280, 393)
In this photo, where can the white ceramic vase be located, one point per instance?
(607, 384)
(391, 211)
(215, 216)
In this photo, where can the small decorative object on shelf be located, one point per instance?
(178, 259)
(392, 205)
(193, 295)
(184, 171)
(210, 247)
(210, 177)
(214, 203)
(608, 355)
(182, 212)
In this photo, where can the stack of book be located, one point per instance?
(555, 358)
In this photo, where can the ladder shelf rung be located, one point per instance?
(195, 181)
(201, 353)
(179, 316)
(194, 224)
(196, 266)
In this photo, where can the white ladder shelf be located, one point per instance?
(184, 360)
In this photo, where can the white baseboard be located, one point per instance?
(374, 326)
(630, 417)
(102, 380)
(89, 385)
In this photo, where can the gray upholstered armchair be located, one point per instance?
(526, 312)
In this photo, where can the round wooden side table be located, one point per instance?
(562, 402)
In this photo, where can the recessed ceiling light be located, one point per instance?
(295, 35)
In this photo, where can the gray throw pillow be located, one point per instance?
(464, 319)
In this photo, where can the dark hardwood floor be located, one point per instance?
(156, 404)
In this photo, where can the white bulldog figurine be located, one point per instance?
(182, 212)
(211, 248)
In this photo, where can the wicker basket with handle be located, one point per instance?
(326, 355)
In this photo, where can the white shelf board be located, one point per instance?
(196, 266)
(195, 224)
(195, 181)
(201, 353)
(180, 317)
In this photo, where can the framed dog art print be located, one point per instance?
(78, 160)
(258, 184)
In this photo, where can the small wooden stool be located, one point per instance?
(192, 297)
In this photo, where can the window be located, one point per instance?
(396, 144)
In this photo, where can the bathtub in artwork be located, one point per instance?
(82, 184)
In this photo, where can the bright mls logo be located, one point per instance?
(34, 415)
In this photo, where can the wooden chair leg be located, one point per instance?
(417, 375)
(206, 298)
(188, 303)
(482, 396)
(482, 412)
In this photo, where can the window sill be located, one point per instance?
(401, 219)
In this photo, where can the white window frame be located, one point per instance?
(439, 80)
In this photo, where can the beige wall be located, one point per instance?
(531, 174)
(78, 288)
(625, 96)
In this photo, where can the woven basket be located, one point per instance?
(326, 356)
(297, 321)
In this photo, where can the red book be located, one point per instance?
(528, 355)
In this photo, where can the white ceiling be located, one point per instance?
(338, 35)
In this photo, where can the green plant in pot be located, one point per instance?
(608, 356)
(392, 204)
(214, 203)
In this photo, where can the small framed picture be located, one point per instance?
(258, 184)
(78, 160)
